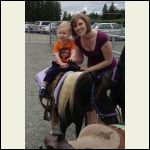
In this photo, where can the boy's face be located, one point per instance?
(63, 33)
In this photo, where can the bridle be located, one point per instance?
(93, 101)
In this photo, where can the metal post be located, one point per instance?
(29, 33)
(113, 42)
(50, 38)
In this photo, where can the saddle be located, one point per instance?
(50, 109)
(50, 105)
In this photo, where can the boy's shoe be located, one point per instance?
(42, 93)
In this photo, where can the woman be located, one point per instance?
(96, 46)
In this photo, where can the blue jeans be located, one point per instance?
(55, 69)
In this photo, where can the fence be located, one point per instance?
(49, 35)
(118, 42)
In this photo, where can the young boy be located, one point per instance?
(64, 51)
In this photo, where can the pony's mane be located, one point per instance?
(66, 92)
(81, 90)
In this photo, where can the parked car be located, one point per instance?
(51, 28)
(110, 28)
(29, 27)
(38, 26)
(94, 25)
(54, 26)
(46, 29)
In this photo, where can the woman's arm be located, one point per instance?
(108, 57)
(79, 56)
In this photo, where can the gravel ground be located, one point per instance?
(37, 57)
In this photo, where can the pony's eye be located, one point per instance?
(108, 92)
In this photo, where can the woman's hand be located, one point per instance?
(83, 68)
(87, 70)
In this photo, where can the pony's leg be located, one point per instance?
(123, 113)
(57, 128)
(85, 120)
(63, 129)
(57, 131)
(78, 127)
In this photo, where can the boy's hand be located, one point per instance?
(64, 65)
(71, 60)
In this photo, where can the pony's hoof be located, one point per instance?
(60, 138)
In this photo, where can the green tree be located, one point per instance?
(27, 10)
(84, 11)
(112, 14)
(112, 11)
(57, 8)
(42, 10)
(112, 8)
(65, 15)
(69, 16)
(105, 12)
(94, 16)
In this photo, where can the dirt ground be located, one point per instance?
(38, 55)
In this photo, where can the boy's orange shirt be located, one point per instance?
(64, 50)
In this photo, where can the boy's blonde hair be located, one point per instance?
(66, 25)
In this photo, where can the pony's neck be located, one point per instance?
(110, 120)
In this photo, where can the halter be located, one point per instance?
(93, 103)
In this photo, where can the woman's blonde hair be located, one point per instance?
(85, 18)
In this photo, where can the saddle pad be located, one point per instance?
(98, 136)
(40, 76)
(58, 87)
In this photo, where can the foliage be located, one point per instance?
(111, 13)
(51, 11)
(42, 10)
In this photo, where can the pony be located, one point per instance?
(88, 90)
(120, 79)
(73, 107)
(82, 91)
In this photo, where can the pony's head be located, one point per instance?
(106, 100)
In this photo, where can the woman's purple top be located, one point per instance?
(96, 56)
